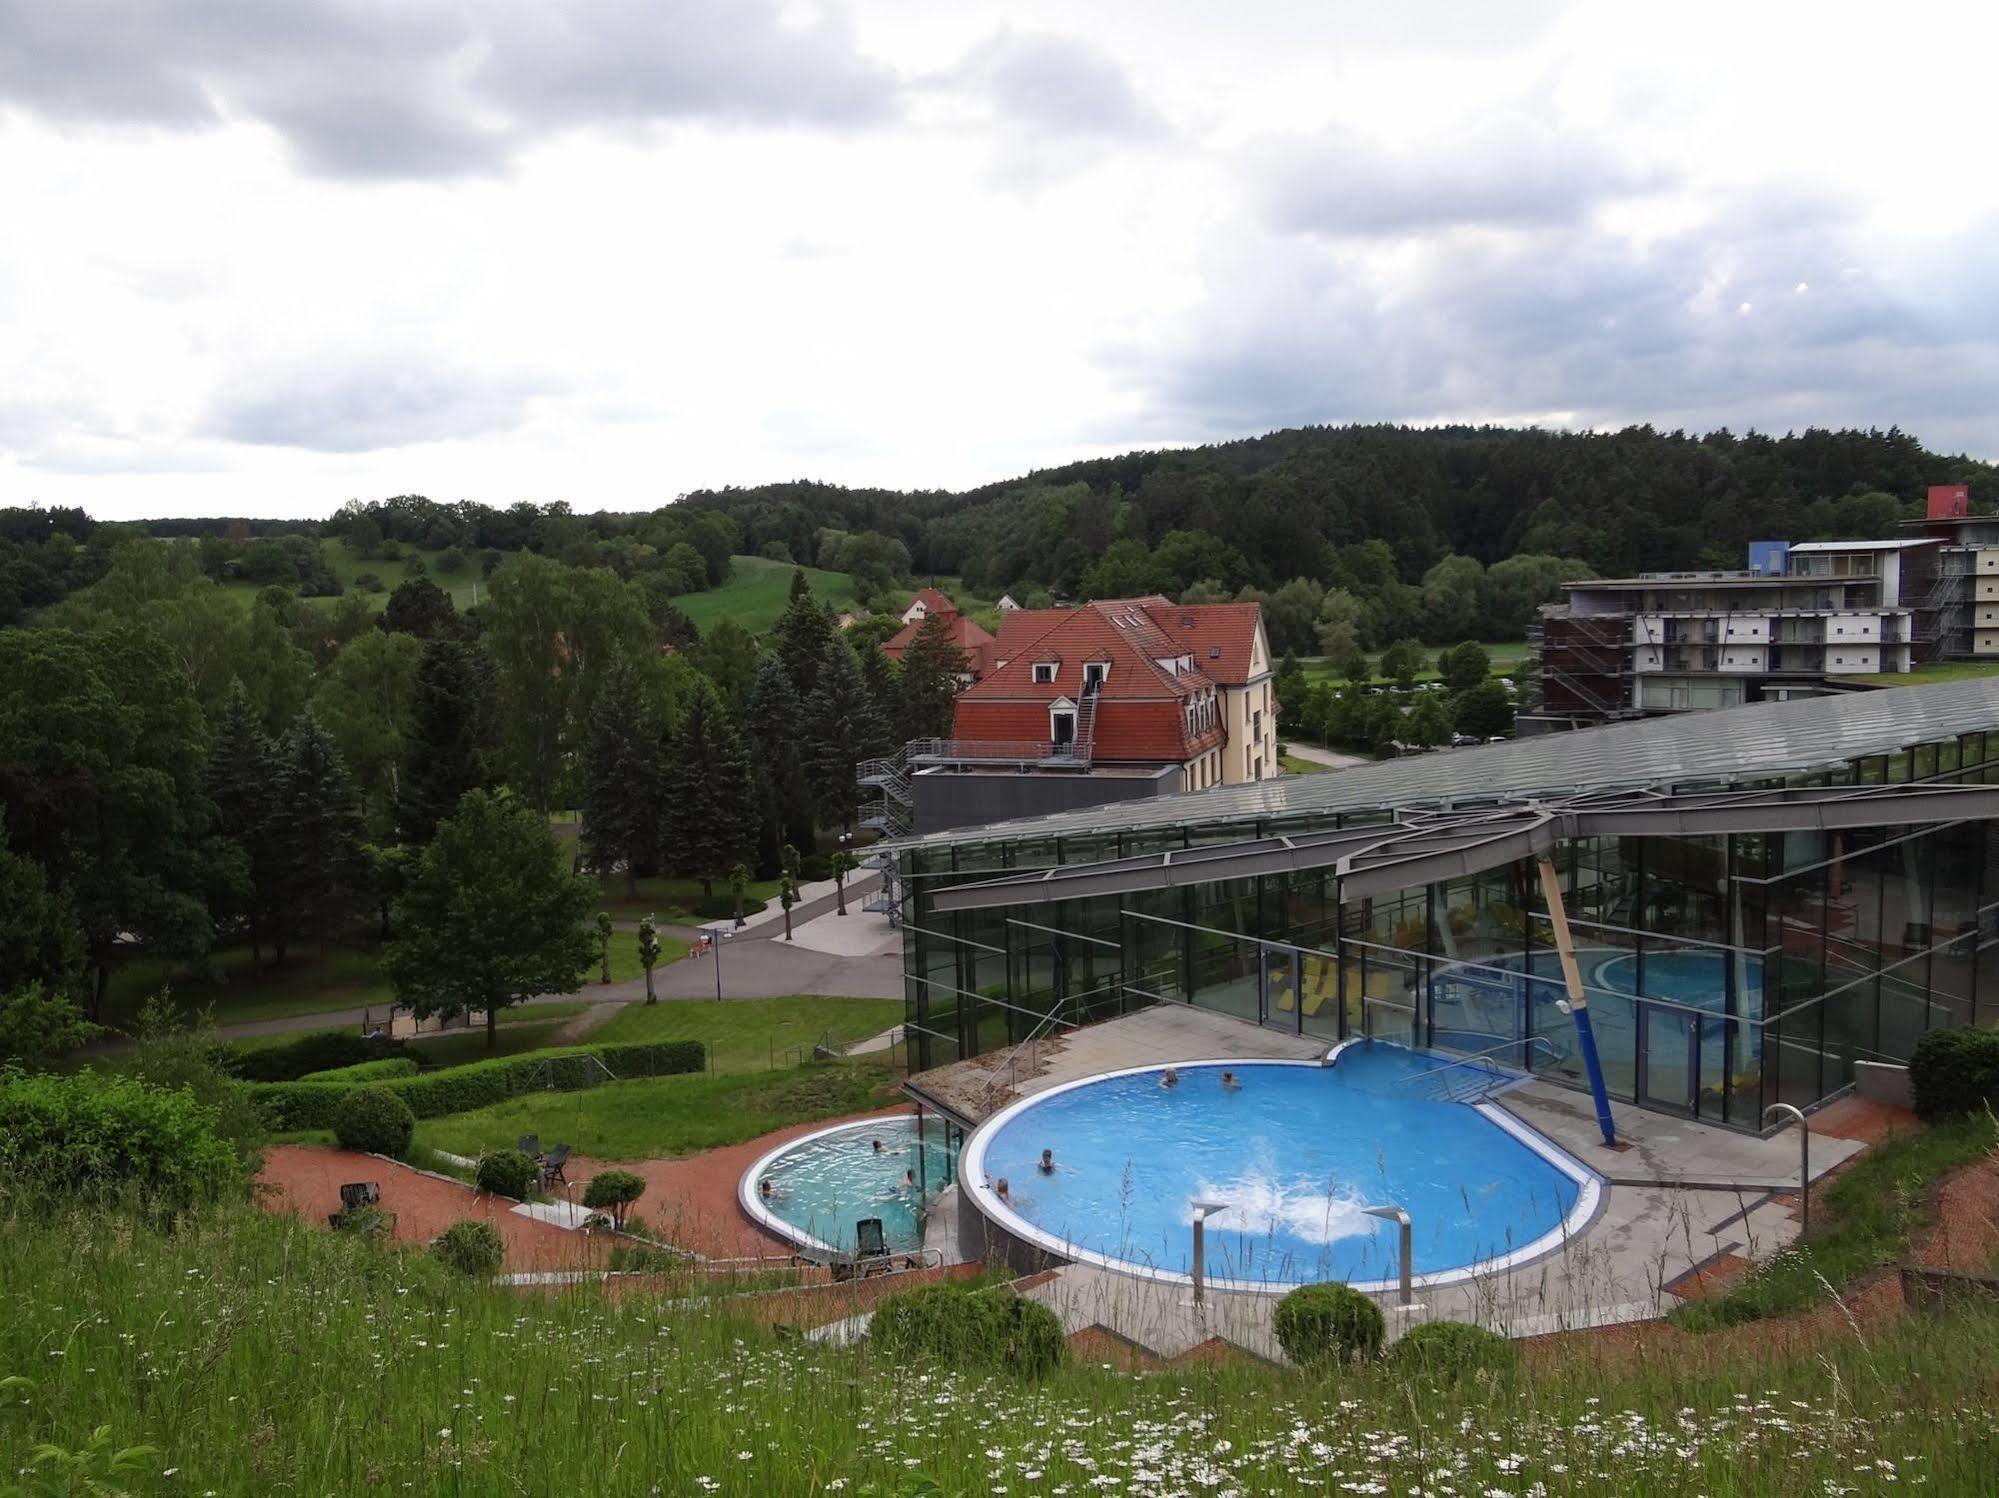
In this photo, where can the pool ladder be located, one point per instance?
(1470, 1079)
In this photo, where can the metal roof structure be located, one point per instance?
(1728, 747)
(1426, 846)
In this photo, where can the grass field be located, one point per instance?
(670, 901)
(1296, 766)
(747, 1034)
(1924, 676)
(664, 1116)
(757, 591)
(346, 566)
(226, 983)
(250, 1353)
(1506, 655)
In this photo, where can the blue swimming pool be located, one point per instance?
(1297, 1151)
(822, 1184)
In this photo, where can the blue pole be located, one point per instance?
(1586, 1037)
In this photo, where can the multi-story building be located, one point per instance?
(1966, 600)
(1799, 621)
(1111, 701)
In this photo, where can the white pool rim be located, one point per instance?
(752, 1204)
(972, 1181)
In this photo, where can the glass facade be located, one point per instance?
(1723, 972)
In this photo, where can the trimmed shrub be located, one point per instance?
(1954, 1072)
(309, 1054)
(470, 1247)
(1446, 1351)
(366, 1071)
(814, 868)
(507, 1173)
(1328, 1326)
(981, 1328)
(87, 1135)
(373, 1119)
(289, 1106)
(615, 1189)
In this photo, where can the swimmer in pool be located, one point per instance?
(1171, 1078)
(769, 1192)
(909, 1177)
(1048, 1162)
(1002, 1192)
(1230, 1083)
(878, 1148)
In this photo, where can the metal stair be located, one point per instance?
(892, 810)
(1086, 726)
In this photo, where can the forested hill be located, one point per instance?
(1285, 503)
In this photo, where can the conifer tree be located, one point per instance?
(884, 683)
(711, 811)
(933, 668)
(621, 779)
(322, 873)
(802, 632)
(450, 737)
(244, 785)
(772, 716)
(841, 730)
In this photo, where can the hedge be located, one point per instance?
(86, 1135)
(1953, 1072)
(309, 1054)
(366, 1071)
(970, 1327)
(722, 907)
(286, 1106)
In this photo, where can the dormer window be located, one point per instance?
(1094, 673)
(1044, 672)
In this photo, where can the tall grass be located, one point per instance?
(262, 1355)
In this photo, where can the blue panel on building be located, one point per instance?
(1771, 558)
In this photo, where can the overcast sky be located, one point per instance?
(263, 258)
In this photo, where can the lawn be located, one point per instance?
(670, 901)
(1296, 766)
(1924, 676)
(254, 1353)
(662, 1116)
(748, 1034)
(349, 979)
(345, 566)
(1507, 656)
(757, 591)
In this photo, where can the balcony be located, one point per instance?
(1019, 754)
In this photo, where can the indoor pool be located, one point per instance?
(824, 1183)
(1297, 1150)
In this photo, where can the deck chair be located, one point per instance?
(530, 1145)
(871, 1254)
(360, 1194)
(551, 1166)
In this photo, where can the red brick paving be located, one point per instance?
(1864, 1119)
(691, 1202)
(306, 1180)
(1710, 1278)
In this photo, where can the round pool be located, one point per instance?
(825, 1182)
(1297, 1150)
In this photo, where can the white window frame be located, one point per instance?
(1097, 671)
(1050, 667)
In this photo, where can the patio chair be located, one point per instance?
(551, 1166)
(530, 1145)
(871, 1254)
(360, 1194)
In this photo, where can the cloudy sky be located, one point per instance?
(267, 257)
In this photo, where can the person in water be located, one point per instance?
(1048, 1162)
(1229, 1082)
(1002, 1191)
(769, 1192)
(1171, 1077)
(909, 1177)
(878, 1148)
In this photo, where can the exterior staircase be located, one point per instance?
(892, 809)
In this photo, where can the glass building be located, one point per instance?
(1761, 898)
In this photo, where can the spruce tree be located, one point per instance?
(802, 632)
(243, 784)
(884, 683)
(621, 776)
(450, 737)
(932, 670)
(711, 810)
(841, 730)
(322, 873)
(772, 717)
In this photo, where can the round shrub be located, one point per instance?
(982, 1328)
(470, 1247)
(1328, 1326)
(374, 1119)
(616, 1190)
(1952, 1072)
(1446, 1351)
(507, 1173)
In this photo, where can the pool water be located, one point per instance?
(825, 1183)
(1297, 1151)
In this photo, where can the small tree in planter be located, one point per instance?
(787, 896)
(739, 886)
(648, 953)
(842, 862)
(614, 1190)
(604, 942)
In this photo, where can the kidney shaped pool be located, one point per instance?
(1297, 1151)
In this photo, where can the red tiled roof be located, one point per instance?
(934, 602)
(1220, 636)
(967, 635)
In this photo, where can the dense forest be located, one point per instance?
(240, 732)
